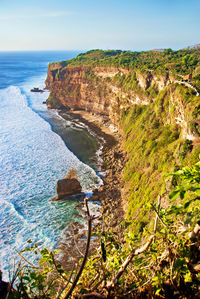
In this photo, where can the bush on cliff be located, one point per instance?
(166, 264)
(183, 61)
(154, 147)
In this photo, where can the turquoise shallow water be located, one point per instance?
(33, 158)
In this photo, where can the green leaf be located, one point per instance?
(158, 291)
(182, 194)
(187, 203)
(174, 194)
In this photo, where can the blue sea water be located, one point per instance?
(32, 159)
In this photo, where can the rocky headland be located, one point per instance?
(152, 114)
(91, 89)
(145, 108)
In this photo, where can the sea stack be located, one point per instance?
(68, 186)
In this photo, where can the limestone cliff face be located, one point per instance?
(92, 89)
(96, 90)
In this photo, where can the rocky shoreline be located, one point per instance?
(109, 194)
(114, 159)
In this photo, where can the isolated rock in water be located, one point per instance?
(36, 89)
(69, 185)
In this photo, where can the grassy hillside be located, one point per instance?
(155, 147)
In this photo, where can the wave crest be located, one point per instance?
(12, 96)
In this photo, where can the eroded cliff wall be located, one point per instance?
(108, 91)
(157, 115)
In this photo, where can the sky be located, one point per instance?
(103, 24)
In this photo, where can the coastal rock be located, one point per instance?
(36, 89)
(68, 186)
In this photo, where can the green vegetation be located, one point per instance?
(156, 146)
(196, 81)
(127, 82)
(179, 62)
(166, 265)
(52, 100)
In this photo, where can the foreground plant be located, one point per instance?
(47, 279)
(165, 264)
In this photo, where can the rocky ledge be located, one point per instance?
(110, 194)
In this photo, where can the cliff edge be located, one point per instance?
(152, 101)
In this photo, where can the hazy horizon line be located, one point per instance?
(104, 49)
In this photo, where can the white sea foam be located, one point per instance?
(32, 159)
(12, 97)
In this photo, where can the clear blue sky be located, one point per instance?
(106, 24)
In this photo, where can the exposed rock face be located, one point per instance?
(90, 89)
(94, 90)
(68, 186)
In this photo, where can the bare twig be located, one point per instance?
(133, 290)
(75, 243)
(104, 273)
(15, 274)
(97, 284)
(56, 267)
(159, 215)
(32, 266)
(90, 218)
(192, 235)
(69, 280)
(156, 219)
(51, 283)
(24, 289)
(127, 261)
(67, 251)
(94, 295)
(94, 279)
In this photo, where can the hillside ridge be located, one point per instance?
(155, 109)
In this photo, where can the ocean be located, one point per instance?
(33, 157)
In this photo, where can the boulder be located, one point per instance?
(36, 89)
(69, 185)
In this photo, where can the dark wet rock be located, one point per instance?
(68, 186)
(36, 89)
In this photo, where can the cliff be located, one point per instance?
(153, 99)
(155, 110)
(98, 90)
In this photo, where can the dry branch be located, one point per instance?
(133, 253)
(94, 295)
(156, 219)
(158, 215)
(90, 218)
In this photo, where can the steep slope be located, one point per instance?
(156, 112)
